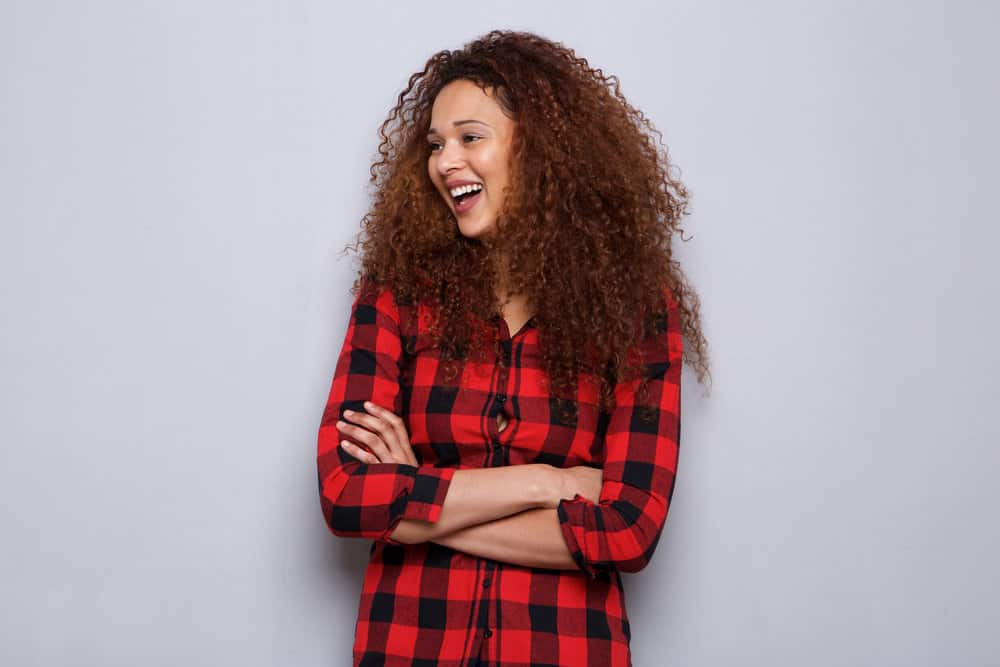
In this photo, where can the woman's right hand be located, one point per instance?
(567, 482)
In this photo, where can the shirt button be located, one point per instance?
(501, 398)
(486, 583)
(487, 633)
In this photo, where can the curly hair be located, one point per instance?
(584, 229)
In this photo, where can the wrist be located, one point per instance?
(547, 484)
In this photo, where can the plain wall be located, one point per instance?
(177, 181)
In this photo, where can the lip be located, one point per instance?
(460, 181)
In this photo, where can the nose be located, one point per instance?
(449, 157)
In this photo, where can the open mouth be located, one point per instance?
(467, 200)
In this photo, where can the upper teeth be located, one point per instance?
(462, 189)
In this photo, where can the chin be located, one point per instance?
(476, 229)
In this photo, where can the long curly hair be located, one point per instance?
(584, 230)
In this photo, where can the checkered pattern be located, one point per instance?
(426, 604)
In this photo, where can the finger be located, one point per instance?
(382, 429)
(358, 453)
(398, 427)
(367, 438)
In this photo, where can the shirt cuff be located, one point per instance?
(577, 519)
(423, 500)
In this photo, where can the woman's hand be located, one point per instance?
(585, 480)
(383, 432)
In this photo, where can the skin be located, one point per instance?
(476, 151)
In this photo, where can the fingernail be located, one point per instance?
(340, 424)
(348, 413)
(369, 404)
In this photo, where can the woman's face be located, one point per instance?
(470, 142)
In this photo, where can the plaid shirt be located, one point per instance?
(427, 604)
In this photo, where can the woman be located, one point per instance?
(504, 417)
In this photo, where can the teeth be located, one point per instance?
(462, 189)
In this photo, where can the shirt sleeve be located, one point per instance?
(622, 529)
(360, 499)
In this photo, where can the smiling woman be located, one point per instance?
(504, 416)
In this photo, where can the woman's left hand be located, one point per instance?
(383, 432)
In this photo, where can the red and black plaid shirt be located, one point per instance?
(428, 604)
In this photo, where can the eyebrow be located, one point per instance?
(459, 122)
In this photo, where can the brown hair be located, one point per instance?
(585, 227)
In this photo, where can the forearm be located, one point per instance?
(532, 538)
(480, 495)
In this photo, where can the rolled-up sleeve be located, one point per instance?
(622, 529)
(360, 499)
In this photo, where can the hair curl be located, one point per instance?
(589, 189)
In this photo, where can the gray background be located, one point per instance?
(177, 181)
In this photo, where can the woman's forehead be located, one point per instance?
(464, 100)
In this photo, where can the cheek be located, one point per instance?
(497, 163)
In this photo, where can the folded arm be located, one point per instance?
(504, 513)
(477, 496)
(531, 538)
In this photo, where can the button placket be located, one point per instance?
(499, 399)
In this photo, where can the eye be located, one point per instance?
(434, 145)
